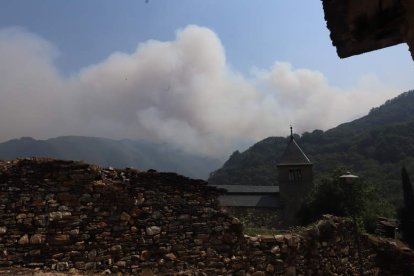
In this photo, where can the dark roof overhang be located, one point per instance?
(359, 26)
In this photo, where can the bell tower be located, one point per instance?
(295, 176)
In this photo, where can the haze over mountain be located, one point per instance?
(116, 153)
(374, 147)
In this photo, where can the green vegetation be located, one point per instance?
(375, 147)
(260, 231)
(331, 195)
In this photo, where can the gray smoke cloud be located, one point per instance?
(181, 92)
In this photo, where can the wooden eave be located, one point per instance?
(359, 26)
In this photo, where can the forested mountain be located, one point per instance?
(116, 153)
(374, 147)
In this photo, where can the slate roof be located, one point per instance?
(250, 196)
(294, 155)
(260, 201)
(247, 189)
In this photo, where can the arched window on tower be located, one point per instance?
(295, 175)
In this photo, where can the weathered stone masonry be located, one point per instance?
(60, 214)
(64, 215)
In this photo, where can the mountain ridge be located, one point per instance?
(374, 146)
(107, 152)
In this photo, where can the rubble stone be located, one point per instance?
(37, 239)
(71, 216)
(24, 239)
(153, 230)
(3, 230)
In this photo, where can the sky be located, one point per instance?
(208, 77)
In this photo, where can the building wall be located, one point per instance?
(295, 182)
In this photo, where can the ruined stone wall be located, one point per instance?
(257, 218)
(64, 215)
(60, 215)
(327, 248)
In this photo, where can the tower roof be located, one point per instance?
(294, 155)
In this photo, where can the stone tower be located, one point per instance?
(295, 177)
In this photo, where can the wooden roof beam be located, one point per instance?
(359, 26)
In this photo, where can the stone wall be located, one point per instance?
(64, 215)
(257, 218)
(327, 248)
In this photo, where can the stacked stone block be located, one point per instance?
(62, 214)
(71, 216)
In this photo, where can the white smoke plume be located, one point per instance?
(181, 92)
